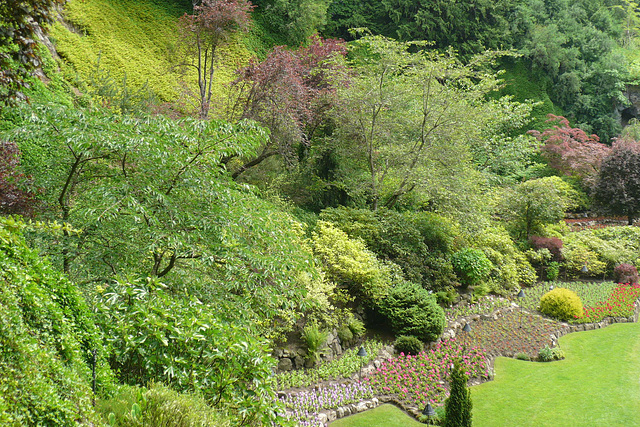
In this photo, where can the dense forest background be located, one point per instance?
(186, 185)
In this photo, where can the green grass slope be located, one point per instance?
(596, 385)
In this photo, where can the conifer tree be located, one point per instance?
(458, 405)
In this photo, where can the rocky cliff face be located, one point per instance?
(631, 111)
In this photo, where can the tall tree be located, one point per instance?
(212, 24)
(617, 190)
(405, 115)
(20, 22)
(289, 92)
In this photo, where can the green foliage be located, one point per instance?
(562, 304)
(522, 356)
(411, 310)
(158, 406)
(47, 336)
(458, 405)
(291, 22)
(408, 345)
(345, 334)
(154, 335)
(349, 263)
(152, 199)
(471, 265)
(418, 242)
(537, 202)
(510, 267)
(342, 368)
(547, 354)
(315, 339)
(553, 270)
(136, 39)
(356, 327)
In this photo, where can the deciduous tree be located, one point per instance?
(572, 151)
(212, 24)
(289, 92)
(617, 189)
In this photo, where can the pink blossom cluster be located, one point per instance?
(422, 378)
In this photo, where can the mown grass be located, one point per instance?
(596, 385)
(384, 415)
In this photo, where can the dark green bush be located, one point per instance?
(562, 304)
(553, 270)
(411, 310)
(345, 334)
(408, 345)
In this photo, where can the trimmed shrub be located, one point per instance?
(562, 304)
(625, 273)
(408, 345)
(471, 265)
(552, 244)
(411, 310)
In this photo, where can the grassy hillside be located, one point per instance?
(136, 39)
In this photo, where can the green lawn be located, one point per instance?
(598, 384)
(384, 415)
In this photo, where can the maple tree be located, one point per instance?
(212, 24)
(289, 92)
(572, 151)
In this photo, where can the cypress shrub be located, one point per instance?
(458, 405)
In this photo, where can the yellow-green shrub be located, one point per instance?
(562, 304)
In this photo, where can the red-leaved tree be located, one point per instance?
(289, 92)
(211, 25)
(15, 196)
(572, 151)
(617, 190)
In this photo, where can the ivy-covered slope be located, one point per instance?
(136, 39)
(46, 340)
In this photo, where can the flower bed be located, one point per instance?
(304, 406)
(485, 305)
(591, 294)
(514, 332)
(620, 303)
(417, 380)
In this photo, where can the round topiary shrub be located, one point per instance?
(625, 273)
(411, 310)
(408, 345)
(562, 304)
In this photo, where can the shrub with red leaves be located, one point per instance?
(15, 196)
(625, 273)
(553, 244)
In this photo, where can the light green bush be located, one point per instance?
(349, 263)
(562, 304)
(471, 265)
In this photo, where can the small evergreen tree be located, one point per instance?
(458, 405)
